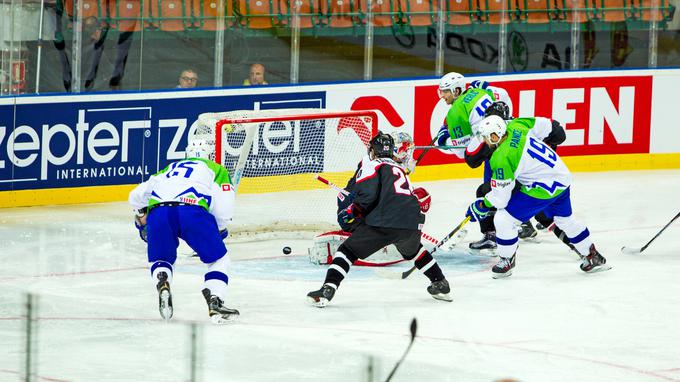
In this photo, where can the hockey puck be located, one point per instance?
(287, 250)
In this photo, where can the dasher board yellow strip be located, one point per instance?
(100, 194)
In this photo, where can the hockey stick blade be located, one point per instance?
(413, 328)
(631, 251)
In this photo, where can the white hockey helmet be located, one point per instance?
(490, 125)
(403, 145)
(199, 148)
(451, 81)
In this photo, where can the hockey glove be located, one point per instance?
(443, 135)
(479, 84)
(349, 214)
(477, 210)
(224, 233)
(424, 199)
(141, 228)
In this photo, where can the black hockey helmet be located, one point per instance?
(498, 108)
(382, 145)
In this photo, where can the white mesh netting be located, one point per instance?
(273, 155)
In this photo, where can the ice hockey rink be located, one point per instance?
(97, 319)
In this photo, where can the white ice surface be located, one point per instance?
(97, 316)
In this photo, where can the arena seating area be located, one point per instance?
(187, 15)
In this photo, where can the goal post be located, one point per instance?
(273, 157)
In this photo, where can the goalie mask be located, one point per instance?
(382, 145)
(199, 148)
(403, 146)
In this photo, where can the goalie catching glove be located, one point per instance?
(424, 199)
(477, 210)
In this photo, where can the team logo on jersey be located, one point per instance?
(226, 187)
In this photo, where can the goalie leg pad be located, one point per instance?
(325, 245)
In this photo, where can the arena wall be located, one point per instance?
(92, 148)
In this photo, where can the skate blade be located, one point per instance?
(501, 275)
(600, 268)
(442, 297)
(220, 319)
(320, 303)
(165, 305)
(482, 252)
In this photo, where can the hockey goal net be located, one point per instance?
(273, 157)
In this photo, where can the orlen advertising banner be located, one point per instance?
(601, 115)
(73, 144)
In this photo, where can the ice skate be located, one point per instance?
(321, 297)
(219, 314)
(164, 296)
(594, 262)
(440, 290)
(503, 267)
(485, 246)
(527, 231)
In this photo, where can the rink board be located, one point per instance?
(66, 149)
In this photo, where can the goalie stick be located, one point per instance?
(413, 328)
(637, 251)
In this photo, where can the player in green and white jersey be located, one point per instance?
(521, 156)
(468, 107)
(193, 200)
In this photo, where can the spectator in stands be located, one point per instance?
(256, 76)
(187, 79)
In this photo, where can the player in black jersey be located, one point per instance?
(384, 211)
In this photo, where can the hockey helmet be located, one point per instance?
(451, 81)
(198, 148)
(498, 108)
(382, 145)
(490, 125)
(403, 145)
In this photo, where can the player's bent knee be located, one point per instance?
(569, 225)
(505, 224)
(221, 265)
(349, 254)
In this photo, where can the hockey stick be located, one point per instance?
(438, 147)
(414, 328)
(331, 185)
(346, 193)
(408, 272)
(637, 251)
(426, 150)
